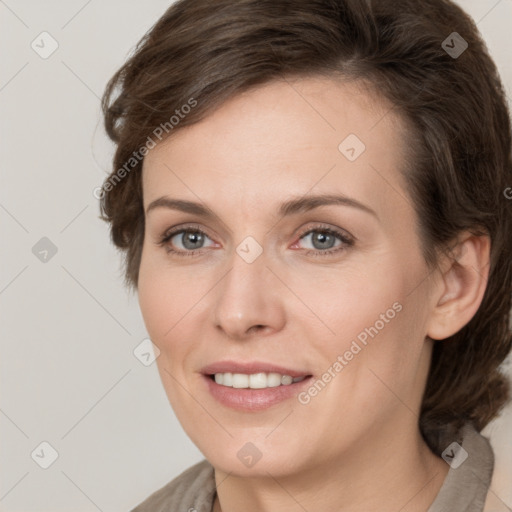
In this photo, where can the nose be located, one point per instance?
(248, 300)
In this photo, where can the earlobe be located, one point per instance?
(461, 287)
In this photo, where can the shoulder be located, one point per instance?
(192, 490)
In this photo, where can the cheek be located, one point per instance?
(157, 298)
(371, 320)
(353, 303)
(170, 299)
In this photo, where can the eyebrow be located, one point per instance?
(289, 207)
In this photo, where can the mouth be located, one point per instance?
(254, 392)
(259, 380)
(253, 374)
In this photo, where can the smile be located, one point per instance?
(255, 380)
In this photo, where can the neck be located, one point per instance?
(386, 471)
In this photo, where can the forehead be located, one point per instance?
(285, 137)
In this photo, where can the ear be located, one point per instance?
(459, 292)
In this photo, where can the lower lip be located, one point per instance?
(246, 399)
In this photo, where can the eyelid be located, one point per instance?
(185, 227)
(342, 233)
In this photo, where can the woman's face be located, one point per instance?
(268, 285)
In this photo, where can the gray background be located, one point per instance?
(69, 328)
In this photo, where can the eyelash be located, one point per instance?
(348, 242)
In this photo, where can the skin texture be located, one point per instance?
(356, 445)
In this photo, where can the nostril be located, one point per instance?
(258, 327)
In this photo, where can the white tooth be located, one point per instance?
(273, 380)
(286, 379)
(258, 380)
(240, 380)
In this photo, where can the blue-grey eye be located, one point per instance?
(322, 239)
(191, 240)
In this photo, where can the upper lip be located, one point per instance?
(250, 367)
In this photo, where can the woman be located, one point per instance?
(311, 200)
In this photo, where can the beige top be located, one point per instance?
(464, 489)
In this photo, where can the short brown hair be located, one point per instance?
(209, 51)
